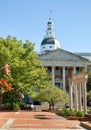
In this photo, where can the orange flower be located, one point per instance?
(3, 82)
(5, 85)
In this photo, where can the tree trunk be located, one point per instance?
(52, 102)
(53, 106)
(49, 106)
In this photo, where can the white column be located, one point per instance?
(61, 82)
(64, 88)
(71, 96)
(85, 69)
(53, 75)
(74, 72)
(79, 96)
(76, 97)
(74, 69)
(84, 97)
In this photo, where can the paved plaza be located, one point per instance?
(28, 120)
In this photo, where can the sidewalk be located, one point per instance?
(35, 121)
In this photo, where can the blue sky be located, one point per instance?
(27, 19)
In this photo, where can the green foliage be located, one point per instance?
(80, 113)
(67, 112)
(10, 97)
(22, 105)
(26, 72)
(16, 106)
(64, 111)
(52, 95)
(71, 112)
(89, 109)
(89, 96)
(25, 66)
(7, 106)
(89, 82)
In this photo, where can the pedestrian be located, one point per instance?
(32, 107)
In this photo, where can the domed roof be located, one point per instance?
(48, 41)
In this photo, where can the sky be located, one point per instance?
(27, 20)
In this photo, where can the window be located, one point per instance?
(66, 71)
(49, 70)
(89, 69)
(57, 71)
(77, 70)
(59, 85)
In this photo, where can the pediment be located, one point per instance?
(60, 54)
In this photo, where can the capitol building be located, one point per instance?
(59, 62)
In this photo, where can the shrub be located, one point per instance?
(65, 111)
(89, 110)
(72, 112)
(22, 105)
(7, 106)
(80, 113)
(16, 106)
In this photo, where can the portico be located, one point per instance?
(61, 65)
(60, 74)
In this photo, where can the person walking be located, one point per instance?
(32, 107)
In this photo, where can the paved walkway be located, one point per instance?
(35, 121)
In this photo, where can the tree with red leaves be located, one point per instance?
(6, 87)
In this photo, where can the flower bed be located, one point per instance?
(78, 118)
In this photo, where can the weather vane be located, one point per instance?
(50, 13)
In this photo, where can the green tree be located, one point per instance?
(89, 82)
(52, 95)
(89, 96)
(26, 72)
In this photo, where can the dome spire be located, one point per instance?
(50, 29)
(50, 13)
